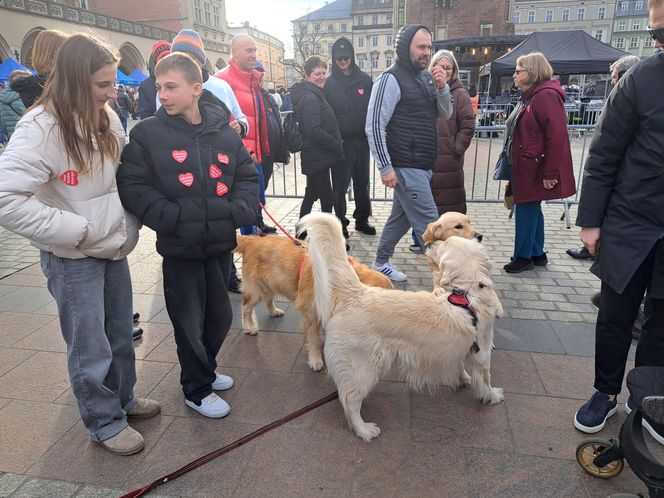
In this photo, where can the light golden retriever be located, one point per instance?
(449, 224)
(275, 265)
(430, 340)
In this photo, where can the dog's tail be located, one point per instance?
(242, 243)
(331, 270)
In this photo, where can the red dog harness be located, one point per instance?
(459, 297)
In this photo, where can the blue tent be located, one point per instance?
(124, 79)
(137, 75)
(8, 66)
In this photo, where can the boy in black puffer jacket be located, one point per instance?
(187, 175)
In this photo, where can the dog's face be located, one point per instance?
(448, 225)
(464, 264)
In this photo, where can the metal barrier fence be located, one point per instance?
(479, 161)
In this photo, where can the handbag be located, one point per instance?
(503, 170)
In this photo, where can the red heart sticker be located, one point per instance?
(186, 179)
(214, 171)
(70, 177)
(223, 158)
(179, 155)
(360, 91)
(222, 189)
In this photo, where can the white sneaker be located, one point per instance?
(390, 271)
(211, 406)
(222, 382)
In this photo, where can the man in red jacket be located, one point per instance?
(245, 80)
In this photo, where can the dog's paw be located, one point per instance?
(367, 431)
(316, 364)
(250, 331)
(277, 312)
(465, 379)
(496, 395)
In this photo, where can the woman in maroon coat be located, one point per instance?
(541, 157)
(454, 137)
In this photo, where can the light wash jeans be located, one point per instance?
(94, 301)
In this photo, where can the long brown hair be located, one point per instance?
(68, 96)
(45, 50)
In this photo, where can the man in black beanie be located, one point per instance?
(347, 90)
(401, 126)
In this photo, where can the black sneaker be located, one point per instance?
(235, 286)
(592, 416)
(541, 260)
(267, 229)
(345, 232)
(137, 316)
(365, 228)
(136, 333)
(415, 248)
(581, 253)
(653, 408)
(651, 416)
(518, 265)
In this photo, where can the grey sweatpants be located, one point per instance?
(413, 206)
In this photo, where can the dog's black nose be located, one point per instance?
(479, 237)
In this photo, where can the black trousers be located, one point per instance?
(617, 312)
(356, 166)
(199, 308)
(318, 187)
(268, 169)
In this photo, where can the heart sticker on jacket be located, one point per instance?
(360, 91)
(223, 158)
(179, 155)
(222, 189)
(70, 177)
(215, 172)
(186, 179)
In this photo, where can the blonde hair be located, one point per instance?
(45, 51)
(654, 3)
(68, 96)
(538, 67)
(446, 54)
(180, 62)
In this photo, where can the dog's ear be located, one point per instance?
(429, 234)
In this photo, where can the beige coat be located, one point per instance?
(43, 198)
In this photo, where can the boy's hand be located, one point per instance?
(236, 126)
(254, 158)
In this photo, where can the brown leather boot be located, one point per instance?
(144, 408)
(126, 442)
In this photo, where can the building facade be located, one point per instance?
(270, 51)
(373, 35)
(629, 24)
(595, 17)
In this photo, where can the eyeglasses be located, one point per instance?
(657, 34)
(342, 58)
(519, 71)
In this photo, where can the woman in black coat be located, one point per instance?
(322, 147)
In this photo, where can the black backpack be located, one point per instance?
(292, 133)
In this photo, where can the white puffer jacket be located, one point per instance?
(45, 199)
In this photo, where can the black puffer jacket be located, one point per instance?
(275, 130)
(322, 147)
(348, 95)
(29, 88)
(194, 188)
(147, 97)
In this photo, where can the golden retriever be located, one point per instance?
(429, 339)
(448, 225)
(275, 265)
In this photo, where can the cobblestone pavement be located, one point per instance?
(431, 446)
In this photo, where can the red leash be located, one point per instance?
(297, 242)
(229, 447)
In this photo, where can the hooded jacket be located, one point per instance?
(540, 146)
(29, 88)
(322, 146)
(192, 185)
(11, 109)
(45, 199)
(348, 95)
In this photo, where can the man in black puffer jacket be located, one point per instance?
(347, 90)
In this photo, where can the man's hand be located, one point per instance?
(439, 77)
(254, 158)
(389, 179)
(549, 184)
(236, 126)
(590, 238)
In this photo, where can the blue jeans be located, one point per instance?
(528, 230)
(94, 301)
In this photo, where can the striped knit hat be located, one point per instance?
(188, 40)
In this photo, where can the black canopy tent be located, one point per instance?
(568, 52)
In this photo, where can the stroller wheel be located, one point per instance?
(591, 448)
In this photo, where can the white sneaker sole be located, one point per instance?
(209, 414)
(393, 278)
(597, 428)
(222, 386)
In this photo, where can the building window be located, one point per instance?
(374, 19)
(388, 19)
(215, 16)
(388, 40)
(374, 62)
(636, 25)
(361, 63)
(317, 49)
(198, 14)
(565, 16)
(624, 6)
(344, 28)
(638, 5)
(516, 17)
(374, 41)
(622, 25)
(531, 16)
(316, 28)
(388, 60)
(634, 42)
(360, 42)
(83, 4)
(620, 42)
(599, 34)
(549, 15)
(601, 12)
(581, 14)
(330, 28)
(360, 20)
(329, 48)
(648, 41)
(208, 13)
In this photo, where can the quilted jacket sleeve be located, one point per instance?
(245, 189)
